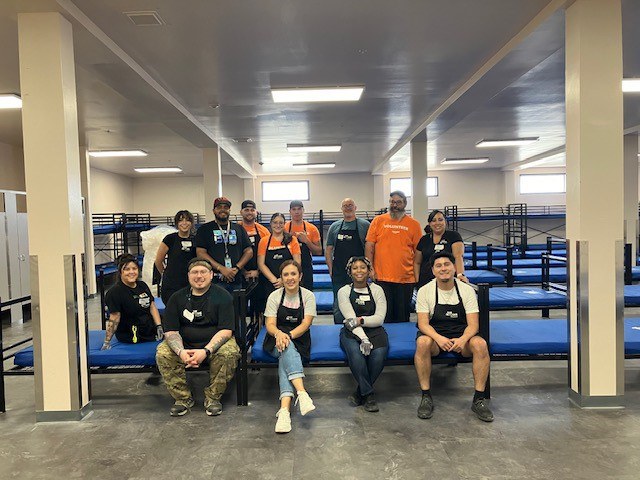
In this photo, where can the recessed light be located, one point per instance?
(314, 165)
(158, 169)
(631, 85)
(118, 153)
(507, 142)
(317, 94)
(10, 100)
(450, 161)
(299, 147)
(242, 140)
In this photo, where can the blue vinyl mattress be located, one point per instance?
(484, 276)
(321, 280)
(538, 253)
(320, 268)
(534, 275)
(525, 297)
(107, 229)
(517, 263)
(120, 354)
(318, 259)
(324, 300)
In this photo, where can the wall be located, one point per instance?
(12, 168)
(111, 193)
(512, 187)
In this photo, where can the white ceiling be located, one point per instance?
(411, 55)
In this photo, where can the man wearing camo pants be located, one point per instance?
(198, 322)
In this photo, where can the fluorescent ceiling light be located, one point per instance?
(317, 94)
(507, 142)
(631, 85)
(158, 169)
(314, 165)
(451, 161)
(313, 148)
(10, 100)
(118, 153)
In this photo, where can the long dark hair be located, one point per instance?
(430, 218)
(286, 236)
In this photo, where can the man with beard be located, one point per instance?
(255, 231)
(308, 236)
(345, 239)
(391, 245)
(225, 245)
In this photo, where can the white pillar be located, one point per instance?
(212, 170)
(631, 193)
(595, 194)
(85, 186)
(420, 207)
(56, 240)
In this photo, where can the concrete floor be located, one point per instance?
(129, 435)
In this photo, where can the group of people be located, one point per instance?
(374, 269)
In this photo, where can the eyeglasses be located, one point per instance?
(396, 202)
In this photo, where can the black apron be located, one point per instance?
(365, 307)
(347, 245)
(286, 320)
(252, 264)
(273, 259)
(307, 261)
(449, 320)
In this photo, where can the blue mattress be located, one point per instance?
(483, 255)
(518, 263)
(632, 295)
(318, 259)
(137, 226)
(484, 276)
(321, 280)
(325, 344)
(107, 229)
(534, 275)
(525, 297)
(120, 354)
(635, 273)
(320, 268)
(324, 300)
(108, 269)
(538, 253)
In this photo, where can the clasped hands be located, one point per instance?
(229, 274)
(451, 344)
(193, 357)
(282, 340)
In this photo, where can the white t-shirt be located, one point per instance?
(375, 320)
(425, 302)
(273, 302)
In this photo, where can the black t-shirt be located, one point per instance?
(181, 250)
(134, 305)
(199, 318)
(428, 248)
(212, 238)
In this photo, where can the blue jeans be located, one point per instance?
(289, 368)
(365, 370)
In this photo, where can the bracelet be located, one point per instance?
(207, 351)
(179, 351)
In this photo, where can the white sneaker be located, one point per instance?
(306, 404)
(283, 424)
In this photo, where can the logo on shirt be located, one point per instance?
(143, 300)
(218, 237)
(396, 227)
(343, 236)
(278, 256)
(451, 314)
(186, 245)
(360, 301)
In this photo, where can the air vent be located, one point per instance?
(145, 19)
(242, 140)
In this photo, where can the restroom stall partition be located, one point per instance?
(14, 253)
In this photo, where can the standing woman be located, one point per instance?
(437, 239)
(273, 251)
(363, 338)
(133, 315)
(288, 317)
(179, 248)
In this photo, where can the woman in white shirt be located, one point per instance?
(288, 316)
(363, 338)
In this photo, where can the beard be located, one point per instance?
(396, 213)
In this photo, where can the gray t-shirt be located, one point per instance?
(362, 224)
(293, 301)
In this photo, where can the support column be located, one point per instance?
(56, 241)
(631, 193)
(249, 187)
(85, 188)
(420, 207)
(595, 173)
(212, 170)
(379, 196)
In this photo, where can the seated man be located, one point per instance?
(198, 322)
(448, 321)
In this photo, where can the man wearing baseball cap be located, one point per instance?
(225, 244)
(309, 238)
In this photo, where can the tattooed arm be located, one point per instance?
(174, 340)
(218, 340)
(112, 326)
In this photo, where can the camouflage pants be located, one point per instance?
(222, 366)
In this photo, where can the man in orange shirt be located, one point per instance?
(255, 231)
(391, 244)
(309, 238)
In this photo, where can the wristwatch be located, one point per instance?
(209, 352)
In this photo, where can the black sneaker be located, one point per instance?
(355, 398)
(181, 407)
(370, 404)
(425, 410)
(213, 407)
(482, 411)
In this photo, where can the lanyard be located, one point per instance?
(225, 236)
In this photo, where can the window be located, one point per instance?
(540, 183)
(404, 185)
(285, 191)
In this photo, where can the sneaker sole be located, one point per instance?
(307, 411)
(283, 431)
(487, 420)
(214, 414)
(179, 414)
(425, 416)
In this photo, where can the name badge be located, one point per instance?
(188, 315)
(144, 301)
(365, 298)
(253, 240)
(227, 261)
(278, 256)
